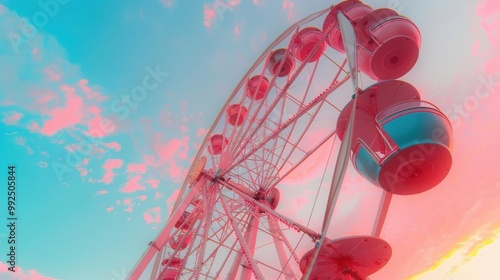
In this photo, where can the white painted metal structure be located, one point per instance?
(226, 215)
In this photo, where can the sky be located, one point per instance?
(97, 165)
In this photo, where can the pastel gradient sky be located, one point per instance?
(97, 174)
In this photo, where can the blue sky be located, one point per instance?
(95, 172)
(69, 217)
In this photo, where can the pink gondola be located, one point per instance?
(280, 63)
(304, 43)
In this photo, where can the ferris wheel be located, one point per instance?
(294, 101)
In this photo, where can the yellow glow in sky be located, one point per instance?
(477, 257)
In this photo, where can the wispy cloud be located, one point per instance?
(133, 184)
(209, 15)
(21, 274)
(152, 216)
(171, 200)
(137, 168)
(478, 250)
(113, 146)
(217, 9)
(52, 74)
(108, 167)
(101, 192)
(289, 7)
(167, 3)
(12, 117)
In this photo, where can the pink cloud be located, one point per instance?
(97, 127)
(109, 209)
(33, 127)
(72, 109)
(54, 103)
(137, 168)
(487, 12)
(171, 200)
(62, 117)
(492, 66)
(43, 97)
(30, 274)
(218, 7)
(176, 172)
(488, 8)
(113, 145)
(94, 110)
(89, 92)
(152, 215)
(475, 47)
(201, 132)
(142, 197)
(154, 183)
(158, 195)
(113, 163)
(51, 74)
(12, 118)
(237, 29)
(150, 160)
(167, 3)
(101, 192)
(148, 218)
(83, 84)
(20, 140)
(71, 148)
(174, 148)
(233, 3)
(35, 54)
(80, 167)
(129, 209)
(67, 89)
(108, 167)
(168, 155)
(288, 6)
(127, 201)
(133, 185)
(34, 275)
(209, 15)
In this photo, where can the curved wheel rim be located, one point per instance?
(237, 174)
